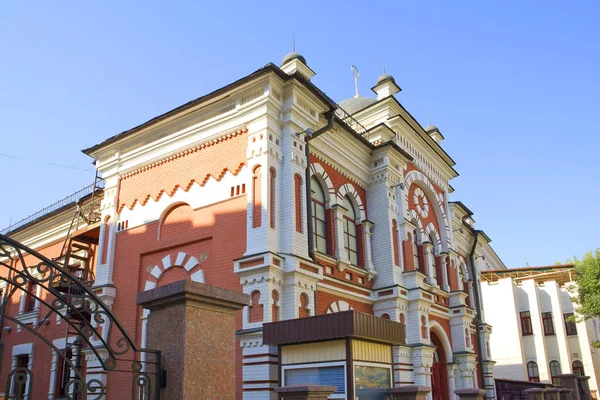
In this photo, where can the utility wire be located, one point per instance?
(44, 162)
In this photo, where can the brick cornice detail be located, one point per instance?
(136, 190)
(184, 153)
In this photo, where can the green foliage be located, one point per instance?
(587, 292)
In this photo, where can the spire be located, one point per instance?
(295, 62)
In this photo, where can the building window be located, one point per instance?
(319, 219)
(578, 368)
(526, 323)
(423, 327)
(533, 372)
(22, 363)
(415, 251)
(548, 325)
(29, 297)
(350, 236)
(303, 310)
(555, 372)
(63, 376)
(326, 375)
(570, 324)
(255, 309)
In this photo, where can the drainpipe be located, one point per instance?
(309, 136)
(477, 300)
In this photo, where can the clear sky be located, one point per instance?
(513, 86)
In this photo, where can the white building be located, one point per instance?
(533, 338)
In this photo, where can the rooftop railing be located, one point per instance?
(88, 190)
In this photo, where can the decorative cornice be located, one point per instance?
(184, 153)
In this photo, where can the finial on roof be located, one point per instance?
(293, 55)
(356, 76)
(383, 65)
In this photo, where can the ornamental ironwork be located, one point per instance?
(91, 329)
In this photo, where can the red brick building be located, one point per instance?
(268, 187)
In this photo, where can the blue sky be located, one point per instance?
(513, 86)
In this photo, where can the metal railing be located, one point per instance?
(351, 121)
(88, 190)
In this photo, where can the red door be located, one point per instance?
(439, 372)
(439, 381)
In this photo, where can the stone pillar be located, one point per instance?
(565, 394)
(193, 325)
(570, 381)
(471, 394)
(304, 392)
(410, 393)
(552, 394)
(451, 367)
(585, 387)
(535, 393)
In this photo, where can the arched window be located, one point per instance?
(303, 310)
(555, 372)
(319, 219)
(350, 232)
(255, 310)
(431, 257)
(578, 368)
(533, 372)
(423, 327)
(385, 316)
(415, 250)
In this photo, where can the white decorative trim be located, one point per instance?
(441, 333)
(348, 189)
(319, 172)
(418, 178)
(337, 306)
(157, 272)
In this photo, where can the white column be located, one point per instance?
(52, 375)
(340, 250)
(445, 266)
(451, 381)
(367, 231)
(430, 263)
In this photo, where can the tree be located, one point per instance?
(587, 292)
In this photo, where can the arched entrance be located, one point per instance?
(439, 370)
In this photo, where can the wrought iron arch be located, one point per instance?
(89, 321)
